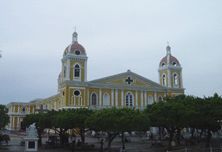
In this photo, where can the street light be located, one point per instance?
(73, 138)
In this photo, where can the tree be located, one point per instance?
(4, 118)
(5, 138)
(114, 121)
(77, 118)
(60, 123)
(105, 120)
(170, 115)
(132, 120)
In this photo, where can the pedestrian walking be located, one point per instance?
(101, 145)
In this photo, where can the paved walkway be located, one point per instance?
(136, 145)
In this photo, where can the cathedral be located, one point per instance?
(127, 89)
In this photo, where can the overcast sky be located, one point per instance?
(118, 35)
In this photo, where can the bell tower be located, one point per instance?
(170, 71)
(74, 62)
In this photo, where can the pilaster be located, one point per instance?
(122, 97)
(85, 74)
(116, 96)
(145, 102)
(136, 94)
(181, 79)
(169, 78)
(87, 96)
(112, 96)
(141, 98)
(68, 69)
(100, 96)
(155, 96)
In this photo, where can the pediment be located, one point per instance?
(127, 79)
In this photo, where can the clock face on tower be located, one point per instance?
(77, 52)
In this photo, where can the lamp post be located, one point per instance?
(73, 138)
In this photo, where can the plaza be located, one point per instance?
(137, 144)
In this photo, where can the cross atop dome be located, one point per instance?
(74, 36)
(168, 49)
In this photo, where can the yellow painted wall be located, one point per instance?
(16, 109)
(15, 122)
(119, 97)
(139, 98)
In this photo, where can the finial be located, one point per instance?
(75, 29)
(74, 36)
(167, 43)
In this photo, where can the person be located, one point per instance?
(78, 143)
(101, 145)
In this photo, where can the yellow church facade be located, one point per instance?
(126, 89)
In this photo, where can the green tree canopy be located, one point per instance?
(4, 118)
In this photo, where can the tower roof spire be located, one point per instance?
(74, 36)
(168, 49)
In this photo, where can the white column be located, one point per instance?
(181, 80)
(116, 96)
(85, 75)
(18, 123)
(141, 98)
(136, 93)
(145, 98)
(164, 94)
(10, 123)
(122, 97)
(112, 97)
(100, 96)
(87, 96)
(169, 78)
(18, 108)
(68, 69)
(155, 96)
(14, 109)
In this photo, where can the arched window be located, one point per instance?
(164, 79)
(129, 99)
(77, 71)
(23, 110)
(175, 79)
(94, 99)
(163, 64)
(150, 99)
(106, 99)
(174, 63)
(64, 74)
(160, 98)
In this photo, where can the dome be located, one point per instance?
(173, 60)
(60, 75)
(75, 47)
